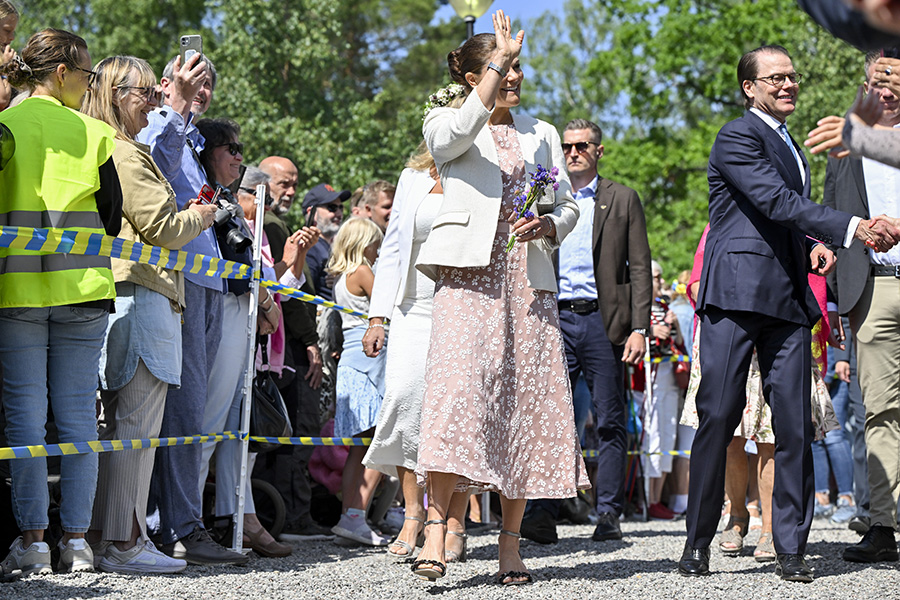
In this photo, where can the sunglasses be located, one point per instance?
(149, 92)
(234, 148)
(92, 75)
(580, 147)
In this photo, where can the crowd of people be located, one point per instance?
(501, 339)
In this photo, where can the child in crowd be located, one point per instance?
(360, 379)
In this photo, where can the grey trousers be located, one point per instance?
(123, 486)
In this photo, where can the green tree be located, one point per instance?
(660, 77)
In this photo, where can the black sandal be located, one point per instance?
(515, 577)
(430, 569)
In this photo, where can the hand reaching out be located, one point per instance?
(296, 247)
(187, 81)
(828, 135)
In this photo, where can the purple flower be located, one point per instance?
(554, 171)
(555, 186)
(528, 214)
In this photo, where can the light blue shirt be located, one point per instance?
(576, 253)
(170, 140)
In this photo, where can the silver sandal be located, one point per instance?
(457, 556)
(400, 544)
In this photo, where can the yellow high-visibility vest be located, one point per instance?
(50, 183)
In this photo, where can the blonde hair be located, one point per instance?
(350, 243)
(116, 72)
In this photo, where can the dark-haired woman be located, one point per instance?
(497, 412)
(54, 307)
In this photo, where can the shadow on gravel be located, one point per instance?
(47, 587)
(654, 533)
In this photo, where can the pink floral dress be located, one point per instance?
(498, 407)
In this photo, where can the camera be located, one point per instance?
(226, 227)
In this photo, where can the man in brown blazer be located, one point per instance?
(605, 293)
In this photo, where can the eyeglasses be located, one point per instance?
(92, 75)
(234, 148)
(147, 92)
(268, 200)
(779, 78)
(580, 147)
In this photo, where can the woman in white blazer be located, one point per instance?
(497, 412)
(404, 295)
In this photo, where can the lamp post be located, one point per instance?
(469, 11)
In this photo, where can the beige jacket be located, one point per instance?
(464, 230)
(150, 216)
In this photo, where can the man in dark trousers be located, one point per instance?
(754, 293)
(605, 292)
(864, 286)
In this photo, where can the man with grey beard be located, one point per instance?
(283, 182)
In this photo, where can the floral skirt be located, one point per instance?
(498, 407)
(756, 421)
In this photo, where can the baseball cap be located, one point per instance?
(323, 194)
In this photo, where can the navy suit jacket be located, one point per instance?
(757, 251)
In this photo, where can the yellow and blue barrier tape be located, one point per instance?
(673, 358)
(98, 446)
(65, 241)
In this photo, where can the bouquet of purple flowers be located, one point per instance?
(524, 200)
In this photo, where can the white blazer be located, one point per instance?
(464, 229)
(396, 249)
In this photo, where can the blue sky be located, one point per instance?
(520, 10)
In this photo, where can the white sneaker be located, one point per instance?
(356, 529)
(75, 556)
(393, 520)
(25, 561)
(140, 559)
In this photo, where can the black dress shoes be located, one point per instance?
(694, 561)
(793, 567)
(876, 546)
(607, 528)
(539, 526)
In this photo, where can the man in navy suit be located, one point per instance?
(754, 294)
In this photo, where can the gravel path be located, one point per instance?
(640, 566)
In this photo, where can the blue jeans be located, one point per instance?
(835, 448)
(52, 352)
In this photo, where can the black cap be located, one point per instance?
(323, 194)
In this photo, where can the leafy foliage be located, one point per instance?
(660, 77)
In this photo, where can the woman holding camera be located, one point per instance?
(54, 307)
(141, 357)
(497, 412)
(222, 158)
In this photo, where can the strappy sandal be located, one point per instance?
(401, 545)
(457, 556)
(515, 577)
(731, 542)
(430, 569)
(765, 548)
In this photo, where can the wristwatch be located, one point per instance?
(640, 330)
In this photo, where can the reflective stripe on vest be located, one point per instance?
(49, 219)
(50, 183)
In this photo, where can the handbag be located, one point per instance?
(268, 413)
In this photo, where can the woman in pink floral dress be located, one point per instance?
(497, 412)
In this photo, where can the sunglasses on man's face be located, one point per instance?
(580, 147)
(234, 148)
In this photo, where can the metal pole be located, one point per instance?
(470, 26)
(238, 540)
(648, 401)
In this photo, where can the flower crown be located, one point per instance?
(443, 97)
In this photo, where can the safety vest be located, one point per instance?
(50, 183)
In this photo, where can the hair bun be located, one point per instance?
(456, 73)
